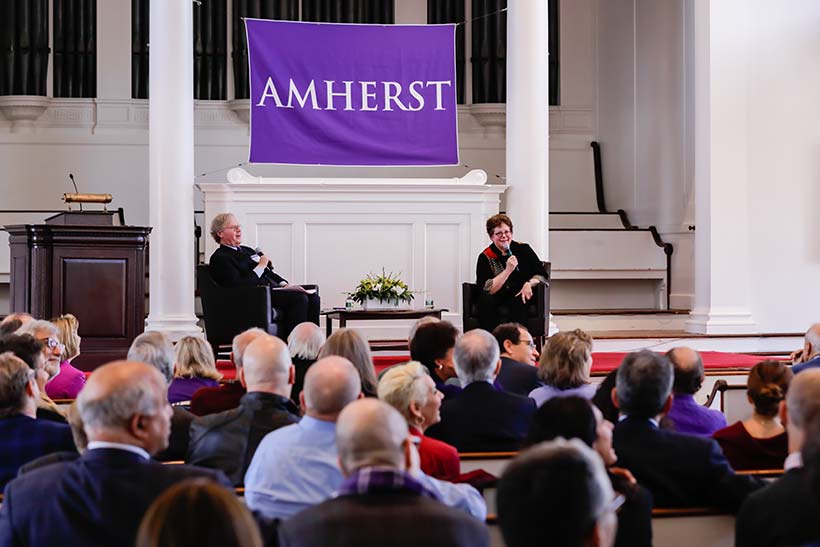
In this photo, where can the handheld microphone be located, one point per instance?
(71, 176)
(258, 251)
(507, 248)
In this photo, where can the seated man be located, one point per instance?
(686, 415)
(155, 349)
(99, 499)
(785, 511)
(519, 371)
(809, 356)
(235, 265)
(679, 470)
(304, 344)
(379, 502)
(482, 418)
(22, 436)
(228, 440)
(30, 350)
(557, 493)
(210, 400)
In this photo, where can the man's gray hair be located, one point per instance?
(240, 343)
(116, 409)
(644, 382)
(476, 356)
(369, 433)
(305, 341)
(155, 349)
(803, 397)
(813, 337)
(38, 325)
(15, 375)
(218, 224)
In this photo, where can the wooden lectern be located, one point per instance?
(86, 264)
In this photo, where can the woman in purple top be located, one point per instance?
(195, 369)
(759, 442)
(564, 367)
(69, 381)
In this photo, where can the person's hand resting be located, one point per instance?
(526, 291)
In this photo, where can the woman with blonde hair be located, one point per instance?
(759, 442)
(195, 368)
(349, 344)
(69, 380)
(409, 389)
(220, 518)
(564, 367)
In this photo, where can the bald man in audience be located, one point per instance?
(99, 499)
(228, 440)
(686, 415)
(809, 356)
(156, 349)
(786, 511)
(210, 400)
(379, 502)
(679, 470)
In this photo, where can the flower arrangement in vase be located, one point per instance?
(382, 292)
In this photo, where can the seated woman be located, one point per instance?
(577, 418)
(432, 345)
(349, 344)
(759, 442)
(564, 367)
(409, 389)
(506, 272)
(69, 381)
(195, 369)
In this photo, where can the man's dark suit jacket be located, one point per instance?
(178, 441)
(518, 377)
(232, 268)
(397, 519)
(484, 419)
(97, 500)
(786, 512)
(679, 470)
(228, 440)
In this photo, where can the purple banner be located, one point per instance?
(333, 94)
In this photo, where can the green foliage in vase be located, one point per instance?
(384, 287)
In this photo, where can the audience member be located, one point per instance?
(297, 466)
(409, 389)
(482, 418)
(155, 349)
(12, 322)
(785, 512)
(679, 470)
(809, 356)
(759, 442)
(432, 345)
(304, 344)
(100, 499)
(210, 400)
(46, 333)
(379, 502)
(565, 366)
(603, 398)
(518, 357)
(577, 418)
(176, 518)
(686, 415)
(69, 380)
(27, 348)
(419, 322)
(228, 440)
(349, 344)
(557, 493)
(80, 443)
(22, 436)
(195, 368)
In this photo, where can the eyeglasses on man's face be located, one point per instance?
(529, 343)
(50, 342)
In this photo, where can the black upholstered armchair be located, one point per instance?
(229, 311)
(538, 309)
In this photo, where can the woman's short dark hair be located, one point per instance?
(432, 341)
(497, 220)
(567, 417)
(179, 515)
(767, 385)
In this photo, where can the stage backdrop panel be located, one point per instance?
(335, 231)
(340, 94)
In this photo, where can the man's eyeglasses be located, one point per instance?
(234, 227)
(50, 342)
(529, 343)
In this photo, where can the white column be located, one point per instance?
(528, 123)
(722, 257)
(171, 169)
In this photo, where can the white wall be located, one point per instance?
(644, 122)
